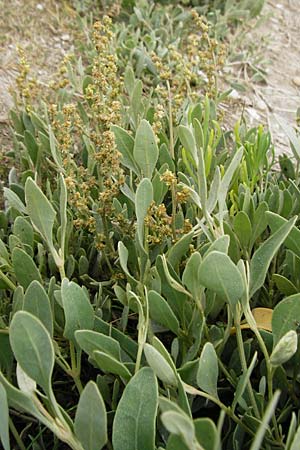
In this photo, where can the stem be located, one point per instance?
(242, 355)
(75, 370)
(172, 153)
(7, 281)
(191, 390)
(173, 211)
(251, 321)
(16, 435)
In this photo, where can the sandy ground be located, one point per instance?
(279, 95)
(43, 29)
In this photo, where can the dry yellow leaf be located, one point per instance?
(263, 319)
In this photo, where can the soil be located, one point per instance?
(45, 30)
(279, 94)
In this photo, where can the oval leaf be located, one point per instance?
(90, 419)
(145, 149)
(134, 423)
(40, 210)
(79, 313)
(262, 258)
(208, 372)
(219, 274)
(32, 347)
(37, 302)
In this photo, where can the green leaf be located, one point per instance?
(296, 440)
(208, 371)
(134, 423)
(32, 347)
(143, 199)
(219, 245)
(243, 381)
(292, 241)
(242, 227)
(285, 348)
(226, 180)
(79, 314)
(4, 417)
(89, 341)
(160, 366)
(145, 149)
(108, 363)
(207, 434)
(123, 255)
(201, 164)
(14, 200)
(37, 302)
(260, 221)
(188, 141)
(284, 285)
(90, 420)
(19, 400)
(263, 256)
(219, 274)
(24, 268)
(181, 425)
(31, 146)
(125, 144)
(40, 210)
(190, 275)
(285, 317)
(260, 433)
(23, 230)
(180, 249)
(161, 312)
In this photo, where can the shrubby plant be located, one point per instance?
(149, 258)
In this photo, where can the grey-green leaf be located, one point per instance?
(125, 144)
(181, 425)
(14, 200)
(145, 149)
(89, 341)
(108, 363)
(188, 141)
(40, 210)
(32, 347)
(285, 316)
(79, 314)
(134, 423)
(24, 268)
(263, 256)
(293, 239)
(4, 416)
(161, 312)
(90, 420)
(208, 371)
(143, 199)
(160, 366)
(219, 274)
(242, 227)
(37, 302)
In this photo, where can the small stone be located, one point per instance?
(260, 104)
(65, 37)
(296, 81)
(234, 94)
(40, 7)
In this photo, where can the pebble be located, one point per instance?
(40, 7)
(260, 104)
(296, 81)
(65, 37)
